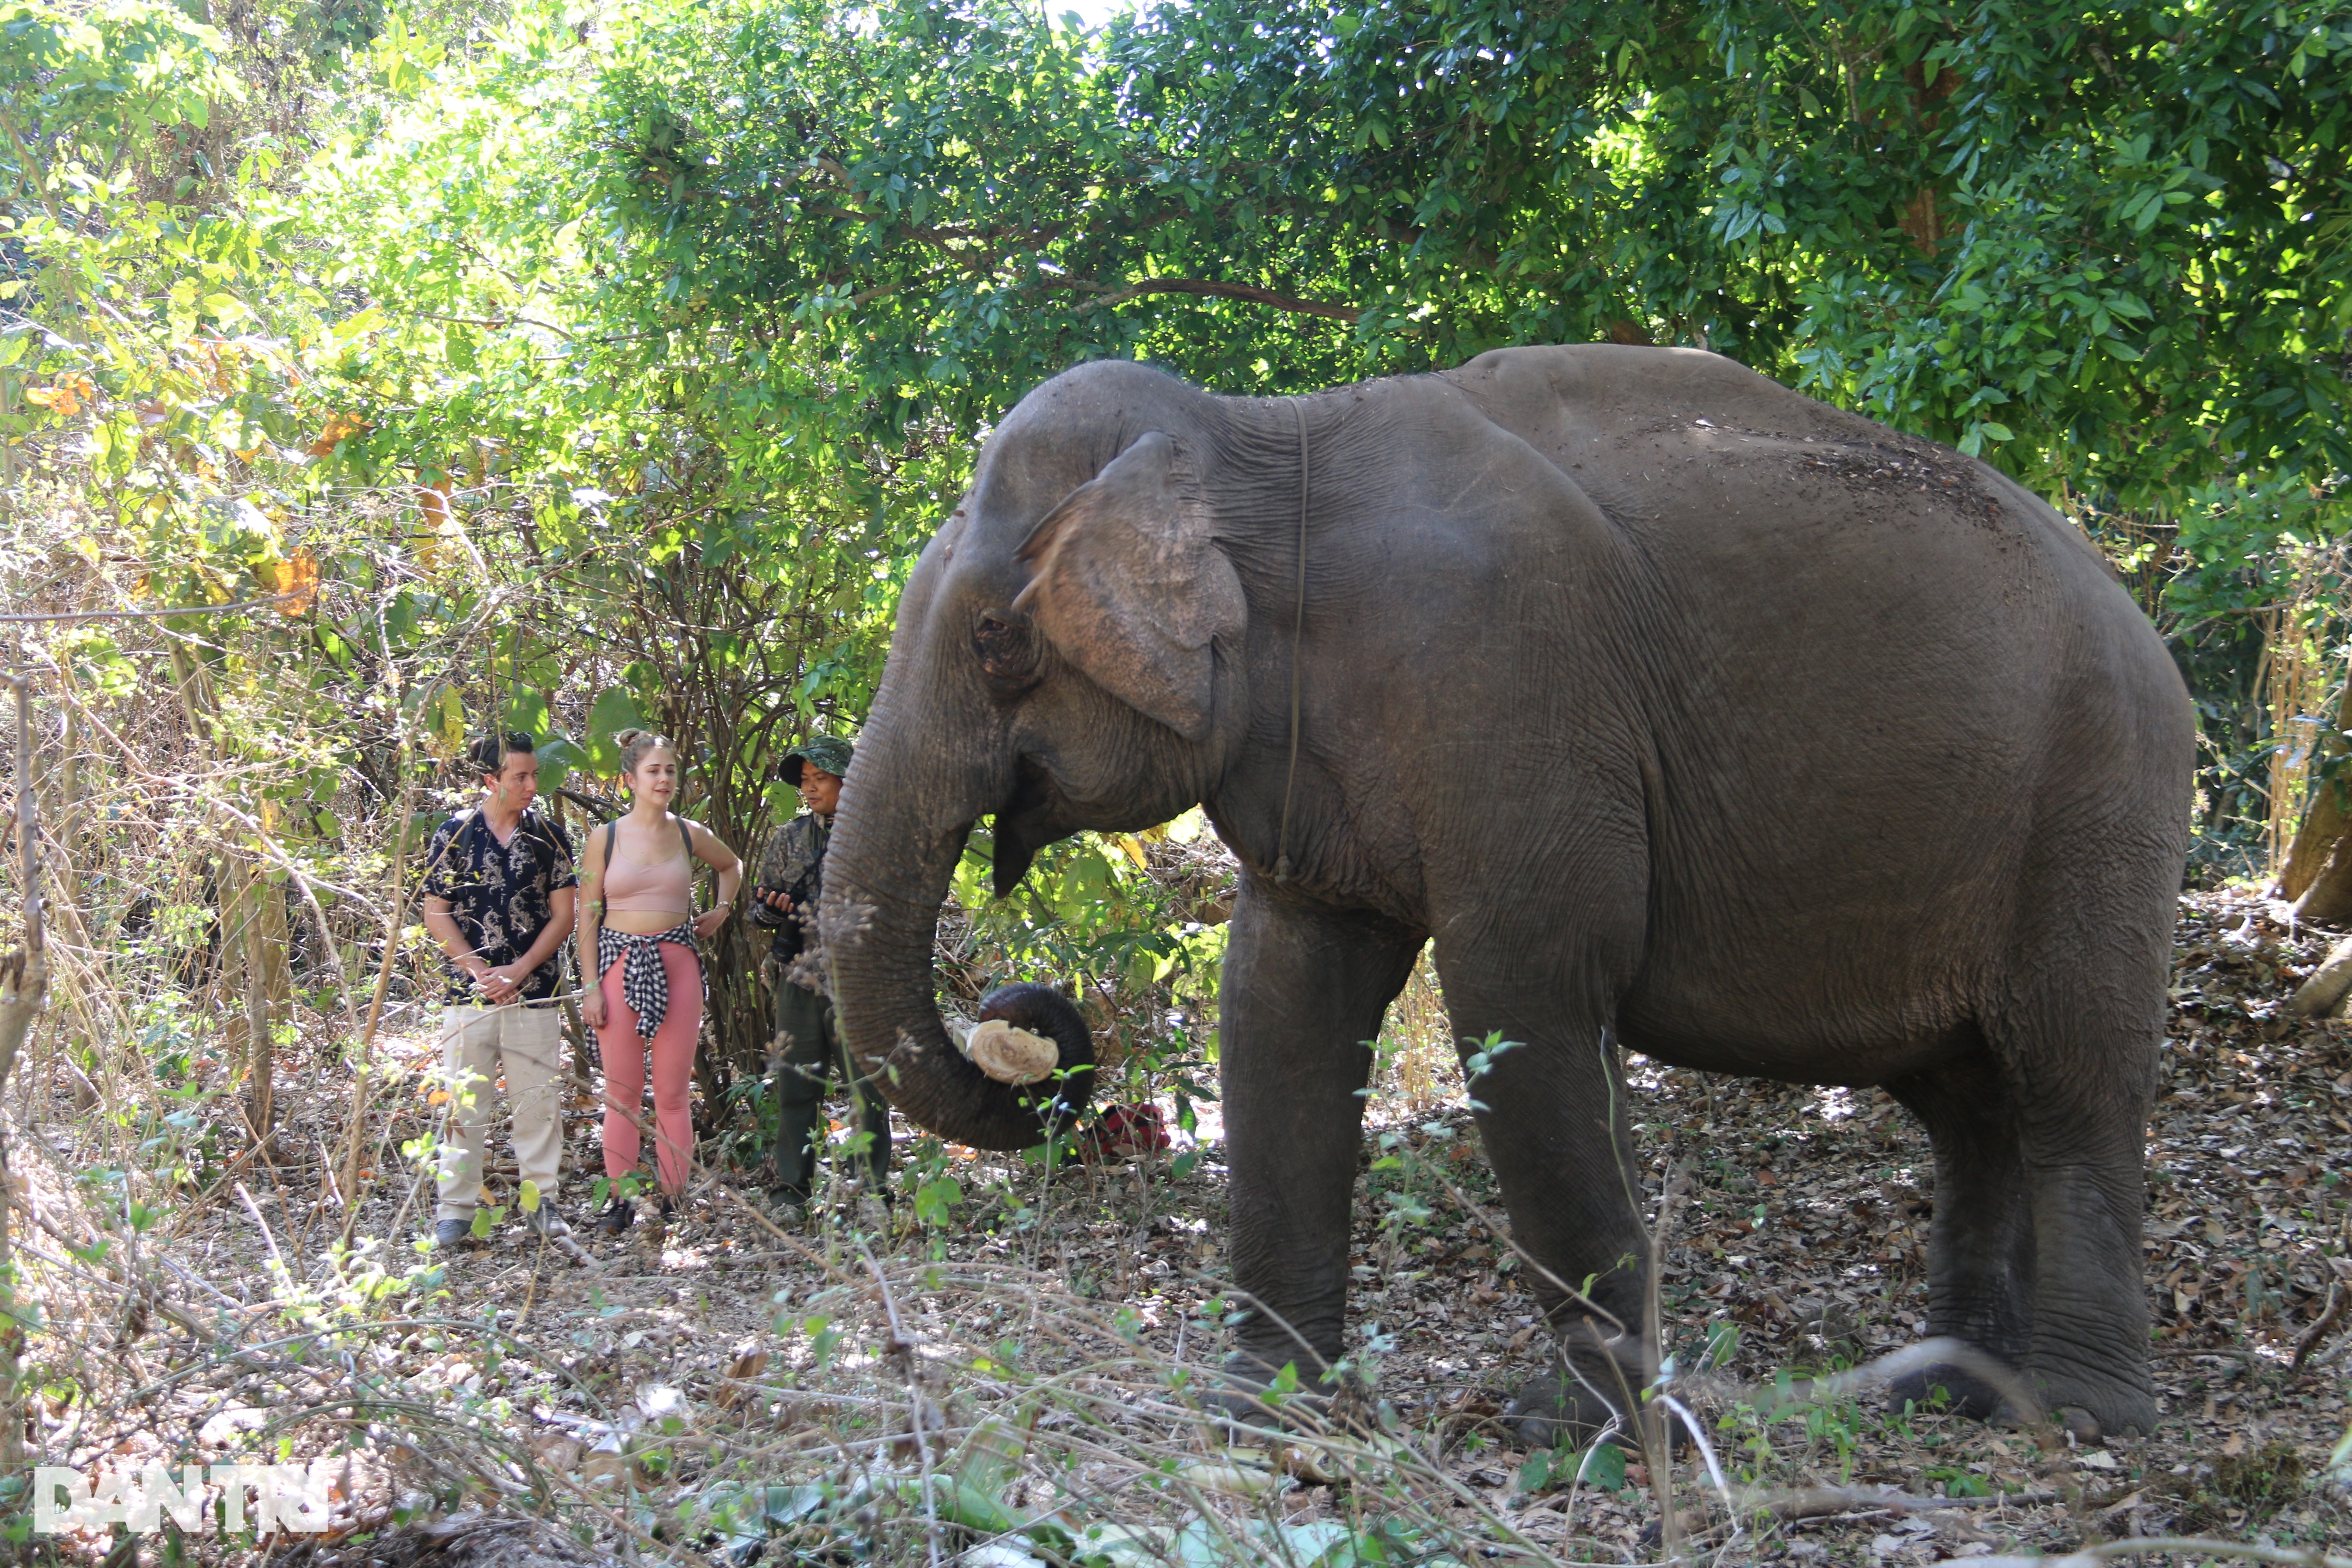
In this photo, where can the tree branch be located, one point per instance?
(1108, 296)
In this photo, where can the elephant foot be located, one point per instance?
(1249, 1394)
(2089, 1408)
(1956, 1389)
(2080, 1424)
(1557, 1405)
(1987, 1390)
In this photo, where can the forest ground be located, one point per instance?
(726, 1390)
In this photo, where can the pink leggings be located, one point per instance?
(673, 1052)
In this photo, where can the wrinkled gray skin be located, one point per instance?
(1680, 710)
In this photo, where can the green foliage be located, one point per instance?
(85, 96)
(1479, 1057)
(1599, 1464)
(1093, 907)
(971, 1496)
(2111, 242)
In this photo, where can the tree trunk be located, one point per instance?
(2318, 871)
(24, 988)
(2328, 900)
(2324, 993)
(254, 912)
(260, 1042)
(253, 922)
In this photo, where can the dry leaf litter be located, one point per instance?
(735, 1388)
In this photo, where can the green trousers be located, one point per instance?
(807, 1049)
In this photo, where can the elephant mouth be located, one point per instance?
(1038, 814)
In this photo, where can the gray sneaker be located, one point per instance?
(451, 1233)
(546, 1222)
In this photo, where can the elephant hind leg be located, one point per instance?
(2072, 1013)
(1981, 1248)
(2082, 1077)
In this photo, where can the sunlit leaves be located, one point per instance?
(90, 88)
(612, 712)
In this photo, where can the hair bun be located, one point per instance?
(635, 742)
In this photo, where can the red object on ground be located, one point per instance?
(1123, 1132)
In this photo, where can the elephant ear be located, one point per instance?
(1127, 582)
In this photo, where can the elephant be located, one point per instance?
(1681, 713)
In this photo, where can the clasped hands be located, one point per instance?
(500, 985)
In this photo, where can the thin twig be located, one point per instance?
(901, 1351)
(2319, 1331)
(1821, 1502)
(70, 616)
(284, 1274)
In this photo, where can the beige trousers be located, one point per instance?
(476, 1043)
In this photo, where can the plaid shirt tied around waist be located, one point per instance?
(644, 982)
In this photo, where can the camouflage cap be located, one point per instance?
(831, 754)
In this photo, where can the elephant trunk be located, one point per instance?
(885, 876)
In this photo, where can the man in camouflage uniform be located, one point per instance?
(807, 1043)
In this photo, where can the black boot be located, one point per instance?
(796, 1135)
(618, 1216)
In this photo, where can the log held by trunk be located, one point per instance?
(1011, 1055)
(879, 948)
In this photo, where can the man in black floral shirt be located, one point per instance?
(498, 893)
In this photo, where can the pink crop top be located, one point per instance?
(664, 889)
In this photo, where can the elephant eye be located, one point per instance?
(1006, 650)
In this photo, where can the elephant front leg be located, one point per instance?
(1303, 991)
(1557, 1124)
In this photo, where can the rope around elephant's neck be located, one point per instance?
(1297, 636)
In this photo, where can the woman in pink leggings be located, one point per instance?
(639, 932)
